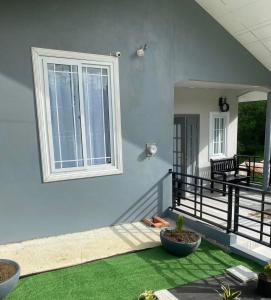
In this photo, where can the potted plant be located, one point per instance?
(147, 295)
(178, 241)
(227, 294)
(9, 276)
(264, 281)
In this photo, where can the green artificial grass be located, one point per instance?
(124, 277)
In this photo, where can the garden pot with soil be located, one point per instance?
(178, 241)
(9, 276)
(264, 282)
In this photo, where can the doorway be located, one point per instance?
(186, 144)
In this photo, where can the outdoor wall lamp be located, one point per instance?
(141, 51)
(223, 105)
(151, 150)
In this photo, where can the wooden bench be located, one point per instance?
(227, 170)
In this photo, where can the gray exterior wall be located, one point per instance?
(184, 43)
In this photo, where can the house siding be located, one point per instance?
(184, 43)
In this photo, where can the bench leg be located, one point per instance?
(248, 181)
(212, 186)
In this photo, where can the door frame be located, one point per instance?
(198, 139)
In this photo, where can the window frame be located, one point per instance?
(225, 116)
(40, 58)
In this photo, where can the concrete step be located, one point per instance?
(260, 254)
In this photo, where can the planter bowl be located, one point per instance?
(264, 286)
(7, 285)
(178, 248)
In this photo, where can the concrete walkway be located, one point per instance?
(71, 249)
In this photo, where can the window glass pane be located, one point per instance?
(222, 148)
(222, 123)
(58, 165)
(93, 71)
(104, 71)
(96, 116)
(74, 69)
(215, 148)
(50, 66)
(216, 124)
(219, 139)
(62, 68)
(219, 135)
(65, 116)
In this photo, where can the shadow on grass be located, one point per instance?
(207, 261)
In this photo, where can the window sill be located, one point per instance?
(61, 176)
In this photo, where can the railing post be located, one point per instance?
(179, 189)
(195, 196)
(262, 216)
(173, 189)
(229, 217)
(267, 144)
(253, 174)
(236, 209)
(201, 190)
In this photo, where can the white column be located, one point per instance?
(267, 144)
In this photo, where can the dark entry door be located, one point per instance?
(186, 144)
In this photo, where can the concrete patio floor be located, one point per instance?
(51, 253)
(222, 204)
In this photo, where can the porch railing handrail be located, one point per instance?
(254, 189)
(232, 215)
(252, 162)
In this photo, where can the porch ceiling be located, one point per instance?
(249, 21)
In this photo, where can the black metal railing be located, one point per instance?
(245, 210)
(255, 165)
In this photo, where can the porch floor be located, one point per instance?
(221, 207)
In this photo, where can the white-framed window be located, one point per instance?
(78, 107)
(219, 123)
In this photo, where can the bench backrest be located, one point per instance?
(224, 165)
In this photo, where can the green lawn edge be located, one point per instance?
(125, 276)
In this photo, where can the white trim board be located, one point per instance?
(212, 115)
(41, 57)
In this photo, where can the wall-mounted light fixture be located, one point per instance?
(223, 105)
(141, 51)
(151, 149)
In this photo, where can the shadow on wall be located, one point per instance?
(149, 204)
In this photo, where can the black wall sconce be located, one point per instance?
(223, 105)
